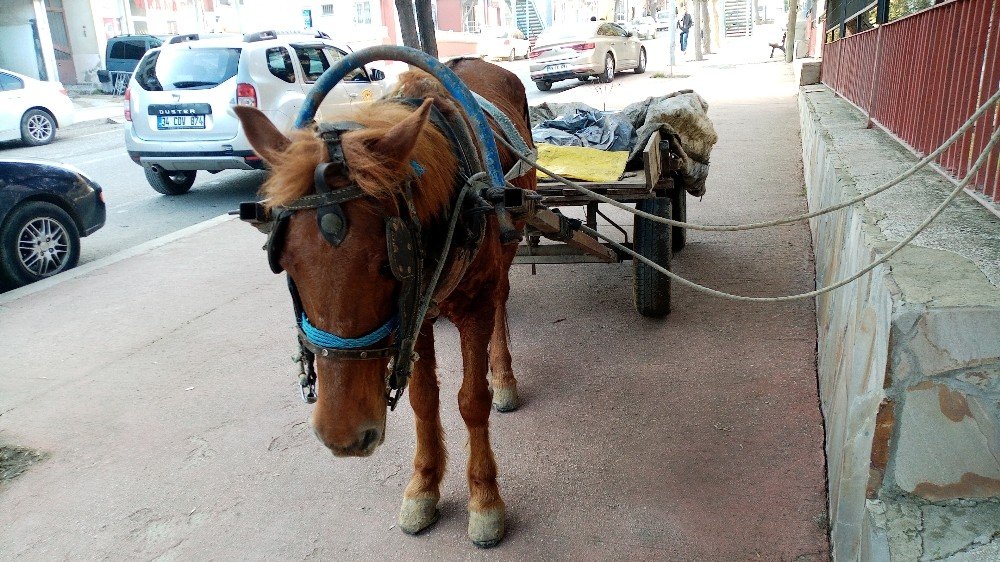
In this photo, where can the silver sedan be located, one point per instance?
(583, 50)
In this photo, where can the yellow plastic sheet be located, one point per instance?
(587, 164)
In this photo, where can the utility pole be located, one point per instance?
(407, 23)
(793, 9)
(672, 18)
(698, 54)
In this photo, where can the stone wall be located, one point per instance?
(909, 355)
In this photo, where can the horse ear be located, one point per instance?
(266, 140)
(398, 142)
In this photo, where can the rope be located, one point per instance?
(961, 186)
(751, 226)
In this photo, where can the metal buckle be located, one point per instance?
(307, 381)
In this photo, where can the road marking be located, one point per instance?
(95, 134)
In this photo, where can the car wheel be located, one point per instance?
(37, 127)
(38, 240)
(609, 69)
(177, 182)
(543, 85)
(642, 62)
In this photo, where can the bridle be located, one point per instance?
(407, 252)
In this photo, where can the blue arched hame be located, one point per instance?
(421, 60)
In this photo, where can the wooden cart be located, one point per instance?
(656, 189)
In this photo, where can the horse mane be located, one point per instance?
(293, 168)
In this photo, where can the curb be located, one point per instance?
(38, 286)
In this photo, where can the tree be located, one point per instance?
(416, 25)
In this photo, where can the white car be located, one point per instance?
(178, 106)
(502, 43)
(644, 27)
(31, 110)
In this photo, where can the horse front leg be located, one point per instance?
(420, 499)
(487, 513)
(505, 397)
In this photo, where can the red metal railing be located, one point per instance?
(922, 76)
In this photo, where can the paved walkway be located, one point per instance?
(160, 387)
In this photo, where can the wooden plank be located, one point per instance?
(556, 253)
(651, 160)
(547, 222)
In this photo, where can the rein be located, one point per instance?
(406, 253)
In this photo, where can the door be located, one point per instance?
(11, 106)
(357, 85)
(625, 49)
(60, 41)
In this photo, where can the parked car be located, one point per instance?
(122, 54)
(663, 21)
(501, 43)
(178, 104)
(32, 110)
(45, 208)
(583, 50)
(644, 27)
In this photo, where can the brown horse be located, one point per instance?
(344, 289)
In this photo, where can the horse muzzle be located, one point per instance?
(364, 444)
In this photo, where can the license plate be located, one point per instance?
(553, 67)
(180, 122)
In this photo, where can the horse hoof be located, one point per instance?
(505, 399)
(486, 528)
(417, 514)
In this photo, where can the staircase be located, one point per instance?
(527, 19)
(738, 18)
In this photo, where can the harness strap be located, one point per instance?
(512, 135)
(342, 195)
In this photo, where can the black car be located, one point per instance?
(45, 208)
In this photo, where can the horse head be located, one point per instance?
(347, 288)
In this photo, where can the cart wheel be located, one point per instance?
(652, 240)
(679, 208)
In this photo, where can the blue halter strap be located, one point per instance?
(332, 341)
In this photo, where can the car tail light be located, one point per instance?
(128, 104)
(246, 95)
(535, 54)
(583, 46)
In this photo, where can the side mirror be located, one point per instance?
(377, 75)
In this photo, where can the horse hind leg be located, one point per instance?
(419, 510)
(505, 398)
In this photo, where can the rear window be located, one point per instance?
(187, 69)
(128, 50)
(8, 82)
(567, 32)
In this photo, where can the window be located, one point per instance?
(128, 50)
(279, 62)
(363, 12)
(181, 69)
(312, 61)
(8, 82)
(334, 55)
(327, 9)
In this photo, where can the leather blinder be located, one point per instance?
(276, 242)
(332, 223)
(401, 249)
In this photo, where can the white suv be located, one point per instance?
(178, 104)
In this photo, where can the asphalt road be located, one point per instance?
(137, 214)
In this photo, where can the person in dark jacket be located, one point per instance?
(684, 25)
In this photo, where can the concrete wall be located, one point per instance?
(17, 44)
(909, 355)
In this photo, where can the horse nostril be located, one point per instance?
(368, 438)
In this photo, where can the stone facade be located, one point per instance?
(909, 355)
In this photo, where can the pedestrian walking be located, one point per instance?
(684, 25)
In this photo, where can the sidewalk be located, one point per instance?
(91, 109)
(161, 389)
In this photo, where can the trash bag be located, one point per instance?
(588, 128)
